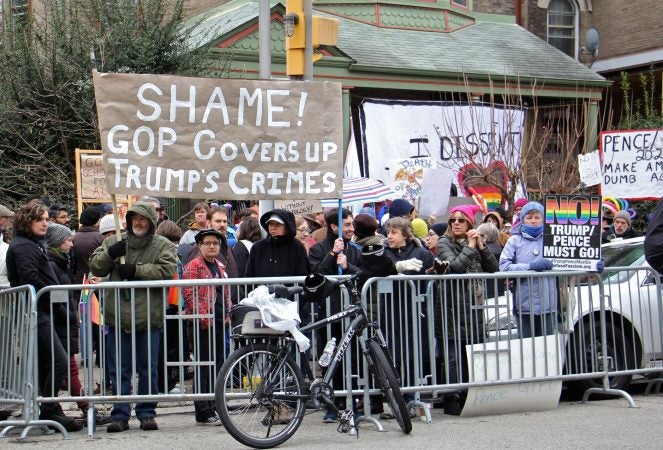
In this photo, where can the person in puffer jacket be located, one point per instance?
(535, 298)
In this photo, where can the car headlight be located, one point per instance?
(501, 322)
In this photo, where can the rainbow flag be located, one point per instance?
(90, 303)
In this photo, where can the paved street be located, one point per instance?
(598, 424)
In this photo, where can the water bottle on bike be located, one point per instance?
(328, 352)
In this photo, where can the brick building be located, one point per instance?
(631, 37)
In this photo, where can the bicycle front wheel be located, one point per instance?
(385, 375)
(260, 400)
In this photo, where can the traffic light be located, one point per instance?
(325, 32)
(295, 37)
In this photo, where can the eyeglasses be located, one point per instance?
(210, 244)
(304, 230)
(457, 220)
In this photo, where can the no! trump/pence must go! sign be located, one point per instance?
(203, 137)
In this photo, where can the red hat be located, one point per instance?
(469, 211)
(520, 202)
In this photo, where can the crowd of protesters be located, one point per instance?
(44, 251)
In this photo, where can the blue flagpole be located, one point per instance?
(340, 227)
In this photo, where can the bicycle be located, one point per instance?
(260, 391)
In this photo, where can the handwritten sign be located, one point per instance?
(589, 168)
(572, 231)
(92, 178)
(632, 164)
(539, 357)
(204, 137)
(299, 206)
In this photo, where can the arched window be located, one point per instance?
(563, 26)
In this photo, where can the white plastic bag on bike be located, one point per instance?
(277, 313)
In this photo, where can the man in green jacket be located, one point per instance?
(137, 313)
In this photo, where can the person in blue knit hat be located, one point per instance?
(535, 298)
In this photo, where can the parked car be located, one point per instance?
(633, 317)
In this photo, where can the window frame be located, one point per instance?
(575, 26)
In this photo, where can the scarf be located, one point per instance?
(533, 231)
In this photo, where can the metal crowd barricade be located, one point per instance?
(594, 342)
(581, 349)
(18, 360)
(179, 361)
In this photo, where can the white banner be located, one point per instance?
(632, 164)
(491, 134)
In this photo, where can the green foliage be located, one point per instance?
(47, 107)
(639, 111)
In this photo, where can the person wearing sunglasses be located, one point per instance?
(463, 248)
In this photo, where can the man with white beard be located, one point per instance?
(140, 255)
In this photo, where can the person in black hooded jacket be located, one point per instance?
(279, 254)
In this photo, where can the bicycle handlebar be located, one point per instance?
(283, 291)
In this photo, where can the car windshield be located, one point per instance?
(622, 255)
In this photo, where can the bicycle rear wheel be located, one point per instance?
(260, 404)
(385, 375)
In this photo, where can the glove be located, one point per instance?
(127, 271)
(412, 264)
(600, 265)
(118, 249)
(541, 264)
(439, 267)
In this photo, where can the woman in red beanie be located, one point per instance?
(462, 247)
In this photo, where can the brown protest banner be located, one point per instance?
(217, 138)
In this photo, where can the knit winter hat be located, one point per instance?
(469, 211)
(106, 224)
(623, 215)
(400, 207)
(419, 228)
(56, 234)
(6, 212)
(364, 225)
(90, 216)
(439, 228)
(529, 207)
(520, 203)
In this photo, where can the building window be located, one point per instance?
(562, 26)
(462, 3)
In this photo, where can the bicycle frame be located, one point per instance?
(356, 327)
(358, 324)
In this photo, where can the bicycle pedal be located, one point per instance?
(346, 422)
(346, 416)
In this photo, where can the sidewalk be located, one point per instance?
(598, 424)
